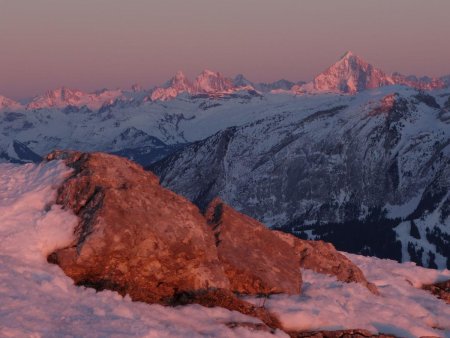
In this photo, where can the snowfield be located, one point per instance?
(402, 309)
(38, 300)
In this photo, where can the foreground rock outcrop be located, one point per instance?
(138, 238)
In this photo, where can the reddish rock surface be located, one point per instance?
(441, 290)
(323, 258)
(255, 261)
(134, 236)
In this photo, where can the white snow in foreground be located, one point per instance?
(38, 300)
(402, 309)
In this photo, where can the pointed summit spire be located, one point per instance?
(351, 74)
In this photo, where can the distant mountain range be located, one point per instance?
(350, 74)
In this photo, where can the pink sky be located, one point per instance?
(115, 43)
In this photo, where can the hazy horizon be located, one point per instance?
(110, 43)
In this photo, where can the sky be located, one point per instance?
(93, 44)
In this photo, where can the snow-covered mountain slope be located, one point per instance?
(362, 172)
(129, 124)
(37, 299)
(351, 74)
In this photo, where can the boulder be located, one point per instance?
(134, 236)
(254, 259)
(323, 258)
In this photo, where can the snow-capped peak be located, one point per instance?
(176, 85)
(350, 74)
(56, 98)
(207, 82)
(212, 82)
(7, 103)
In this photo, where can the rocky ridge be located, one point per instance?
(207, 82)
(63, 97)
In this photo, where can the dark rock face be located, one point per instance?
(254, 259)
(134, 237)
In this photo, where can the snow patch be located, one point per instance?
(402, 309)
